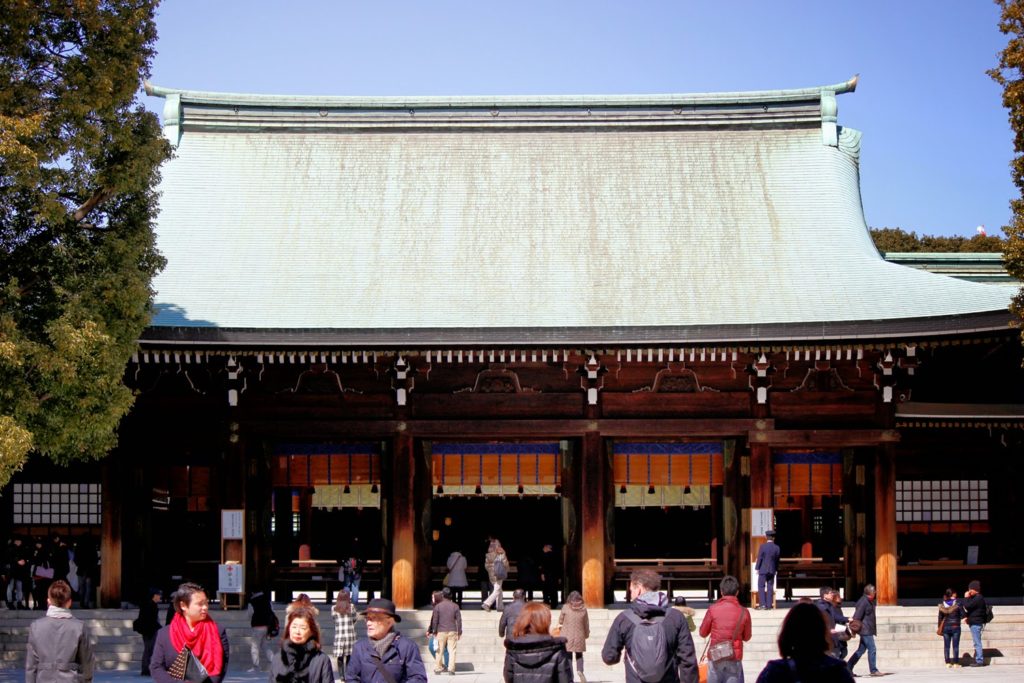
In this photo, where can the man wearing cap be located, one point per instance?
(385, 656)
(767, 566)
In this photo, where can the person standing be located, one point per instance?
(344, 614)
(457, 580)
(147, 625)
(88, 562)
(679, 604)
(833, 616)
(650, 607)
(804, 643)
(840, 639)
(532, 654)
(385, 656)
(575, 628)
(42, 574)
(191, 627)
(727, 622)
(550, 568)
(59, 649)
(20, 582)
(950, 614)
(446, 627)
(265, 627)
(352, 569)
(511, 612)
(300, 659)
(864, 612)
(975, 609)
(767, 567)
(496, 563)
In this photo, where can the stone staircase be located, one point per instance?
(906, 638)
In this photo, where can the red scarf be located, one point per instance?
(204, 641)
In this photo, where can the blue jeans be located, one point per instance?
(953, 637)
(866, 643)
(725, 671)
(352, 586)
(979, 651)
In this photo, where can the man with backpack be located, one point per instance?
(658, 645)
(977, 615)
(728, 623)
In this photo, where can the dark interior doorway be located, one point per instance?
(523, 525)
(672, 532)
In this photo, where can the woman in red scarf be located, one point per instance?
(193, 628)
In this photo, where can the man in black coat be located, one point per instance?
(550, 569)
(833, 615)
(975, 608)
(511, 612)
(650, 603)
(864, 612)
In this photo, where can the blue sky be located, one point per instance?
(936, 144)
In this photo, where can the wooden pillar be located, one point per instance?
(733, 493)
(403, 522)
(885, 525)
(110, 541)
(760, 497)
(594, 485)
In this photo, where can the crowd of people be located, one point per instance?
(653, 638)
(31, 565)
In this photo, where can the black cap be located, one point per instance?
(381, 606)
(770, 533)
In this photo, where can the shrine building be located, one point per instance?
(638, 328)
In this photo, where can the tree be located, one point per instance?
(79, 160)
(1010, 74)
(888, 240)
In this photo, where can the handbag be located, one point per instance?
(855, 626)
(43, 573)
(187, 667)
(938, 631)
(724, 650)
(444, 581)
(702, 665)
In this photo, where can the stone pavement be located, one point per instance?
(1003, 673)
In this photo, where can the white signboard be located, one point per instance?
(230, 578)
(232, 524)
(761, 520)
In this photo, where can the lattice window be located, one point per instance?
(49, 503)
(942, 500)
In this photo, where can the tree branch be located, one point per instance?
(98, 197)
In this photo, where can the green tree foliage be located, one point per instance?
(1010, 75)
(895, 240)
(79, 158)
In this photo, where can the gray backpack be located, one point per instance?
(647, 648)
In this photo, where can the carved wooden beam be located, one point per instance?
(824, 438)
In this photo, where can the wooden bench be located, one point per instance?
(675, 573)
(303, 576)
(808, 572)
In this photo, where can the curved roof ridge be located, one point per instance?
(686, 99)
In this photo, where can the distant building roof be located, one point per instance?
(975, 267)
(675, 218)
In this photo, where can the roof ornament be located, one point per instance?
(172, 112)
(830, 111)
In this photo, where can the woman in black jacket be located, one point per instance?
(950, 614)
(301, 660)
(532, 654)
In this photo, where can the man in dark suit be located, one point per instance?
(767, 567)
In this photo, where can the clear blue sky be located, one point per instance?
(936, 142)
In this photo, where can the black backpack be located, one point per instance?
(989, 615)
(647, 648)
(500, 569)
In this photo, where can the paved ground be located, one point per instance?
(1001, 673)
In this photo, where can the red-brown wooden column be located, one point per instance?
(885, 525)
(403, 522)
(760, 497)
(592, 506)
(110, 541)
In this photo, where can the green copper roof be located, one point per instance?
(608, 214)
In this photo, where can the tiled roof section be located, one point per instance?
(727, 213)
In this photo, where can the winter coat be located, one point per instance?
(575, 623)
(262, 610)
(344, 631)
(823, 669)
(865, 611)
(457, 571)
(489, 564)
(949, 617)
(975, 608)
(164, 655)
(509, 616)
(305, 663)
(720, 622)
(537, 659)
(402, 660)
(677, 637)
(148, 621)
(59, 650)
(446, 618)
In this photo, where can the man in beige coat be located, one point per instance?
(59, 650)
